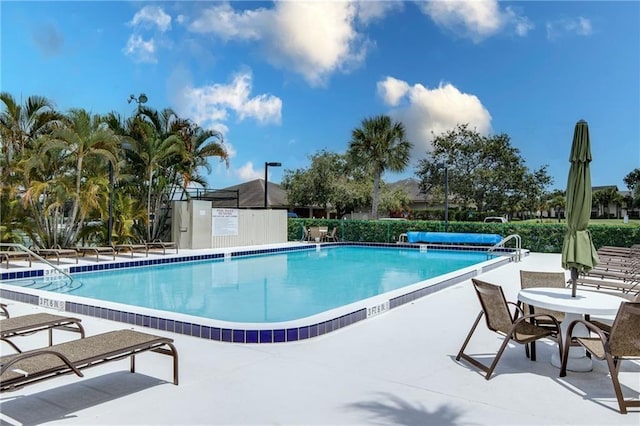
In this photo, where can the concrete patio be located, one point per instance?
(396, 368)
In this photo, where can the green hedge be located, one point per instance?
(541, 238)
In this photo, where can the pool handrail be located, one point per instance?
(517, 255)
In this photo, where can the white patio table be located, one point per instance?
(585, 303)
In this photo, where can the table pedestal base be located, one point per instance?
(578, 360)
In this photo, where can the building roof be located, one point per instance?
(251, 194)
(604, 187)
(411, 187)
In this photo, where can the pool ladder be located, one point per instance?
(515, 253)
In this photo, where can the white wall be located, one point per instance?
(192, 229)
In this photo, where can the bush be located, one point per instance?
(537, 237)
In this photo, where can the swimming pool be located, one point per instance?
(273, 297)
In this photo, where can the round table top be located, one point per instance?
(559, 299)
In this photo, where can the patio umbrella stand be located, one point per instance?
(578, 252)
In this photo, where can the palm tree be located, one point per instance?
(199, 145)
(68, 176)
(20, 126)
(381, 145)
(158, 147)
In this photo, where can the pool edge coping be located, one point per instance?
(253, 334)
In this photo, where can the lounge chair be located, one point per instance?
(97, 251)
(3, 310)
(34, 366)
(499, 319)
(623, 342)
(57, 253)
(162, 245)
(29, 324)
(132, 248)
(14, 254)
(628, 286)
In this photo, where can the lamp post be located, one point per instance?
(446, 196)
(266, 182)
(110, 222)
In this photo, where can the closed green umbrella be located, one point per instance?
(578, 252)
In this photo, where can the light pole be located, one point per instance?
(446, 196)
(266, 182)
(141, 99)
(110, 222)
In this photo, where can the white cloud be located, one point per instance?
(579, 26)
(369, 11)
(140, 50)
(430, 112)
(223, 21)
(313, 39)
(151, 16)
(211, 106)
(392, 90)
(248, 172)
(476, 20)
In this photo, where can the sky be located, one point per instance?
(284, 80)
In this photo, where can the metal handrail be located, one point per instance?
(518, 248)
(23, 248)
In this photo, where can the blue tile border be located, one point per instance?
(239, 335)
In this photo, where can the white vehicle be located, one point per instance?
(495, 219)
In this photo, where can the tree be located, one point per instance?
(66, 177)
(317, 185)
(20, 126)
(485, 172)
(380, 144)
(534, 190)
(557, 200)
(632, 180)
(605, 197)
(395, 202)
(157, 148)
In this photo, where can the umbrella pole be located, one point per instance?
(574, 281)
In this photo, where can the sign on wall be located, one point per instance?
(224, 222)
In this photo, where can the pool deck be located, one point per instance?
(396, 368)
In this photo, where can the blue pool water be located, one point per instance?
(274, 287)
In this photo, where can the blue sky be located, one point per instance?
(283, 80)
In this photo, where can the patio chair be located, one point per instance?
(19, 370)
(499, 319)
(331, 236)
(623, 342)
(28, 324)
(162, 245)
(314, 233)
(530, 279)
(605, 323)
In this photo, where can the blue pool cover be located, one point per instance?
(453, 238)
